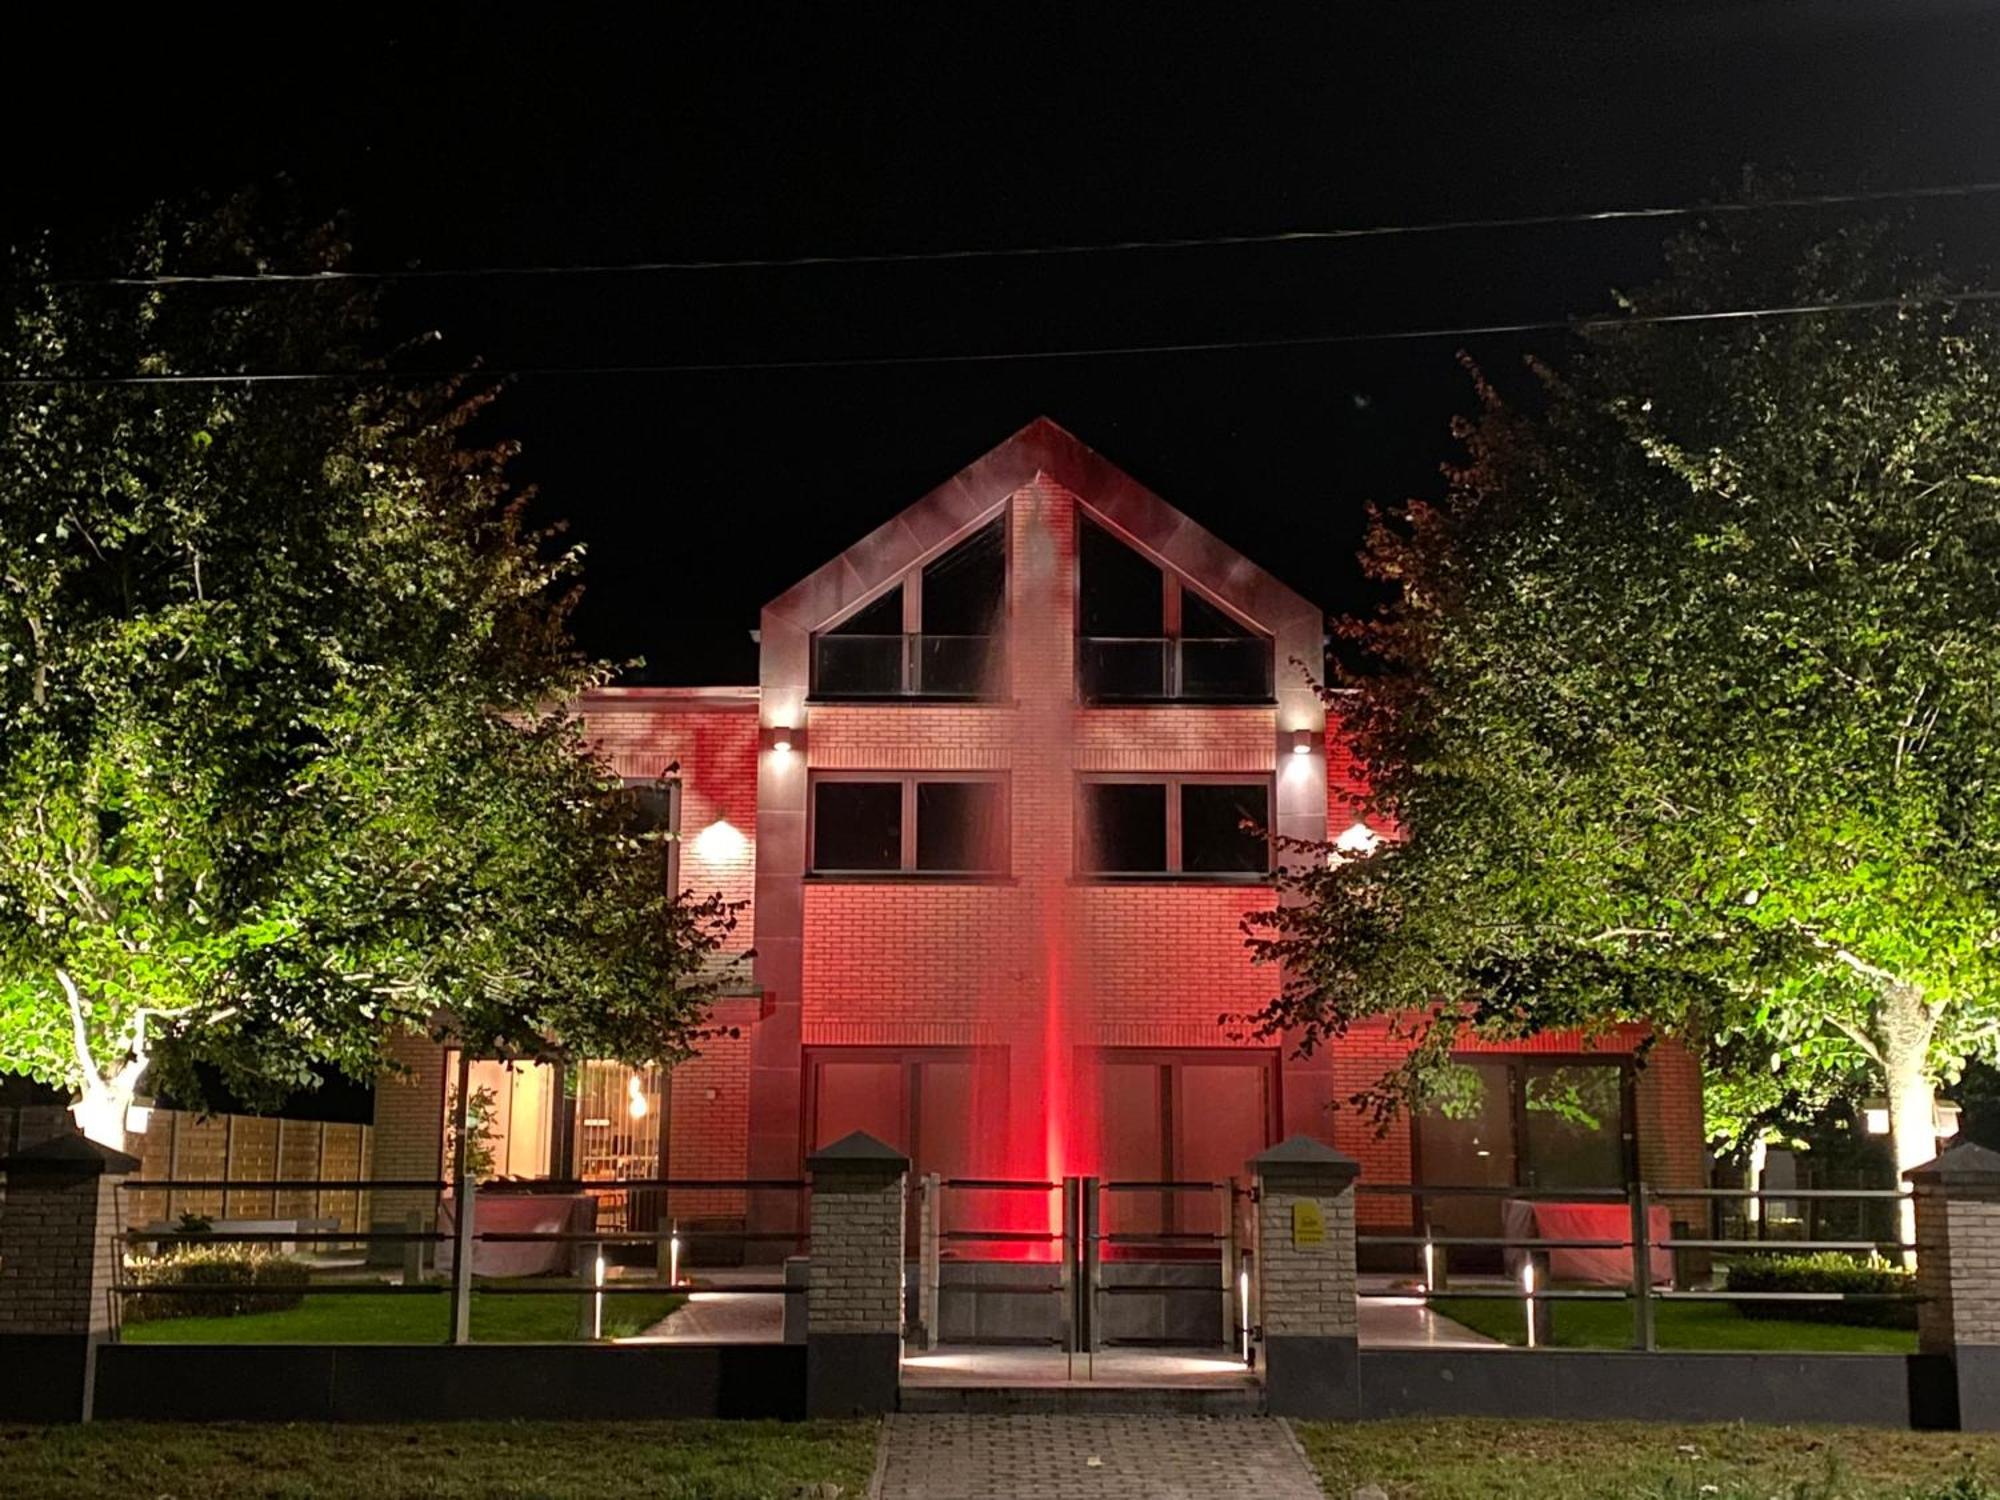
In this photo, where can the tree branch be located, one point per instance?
(79, 1028)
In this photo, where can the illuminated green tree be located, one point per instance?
(285, 762)
(1687, 707)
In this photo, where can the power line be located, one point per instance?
(1019, 252)
(1004, 356)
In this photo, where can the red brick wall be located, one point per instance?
(715, 746)
(709, 1116)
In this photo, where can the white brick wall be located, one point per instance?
(1958, 1266)
(1305, 1290)
(856, 1282)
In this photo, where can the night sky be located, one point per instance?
(456, 135)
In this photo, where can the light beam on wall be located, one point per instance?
(721, 842)
(1358, 839)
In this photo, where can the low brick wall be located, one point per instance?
(444, 1383)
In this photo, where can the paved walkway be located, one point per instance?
(724, 1318)
(1092, 1458)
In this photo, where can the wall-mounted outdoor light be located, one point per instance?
(783, 739)
(1302, 741)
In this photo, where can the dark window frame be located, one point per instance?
(671, 823)
(910, 581)
(1517, 1064)
(1173, 781)
(1172, 1064)
(906, 867)
(1172, 586)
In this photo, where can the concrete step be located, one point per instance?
(1083, 1398)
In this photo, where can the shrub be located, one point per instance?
(1829, 1271)
(245, 1279)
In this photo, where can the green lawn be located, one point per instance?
(542, 1460)
(1506, 1460)
(1676, 1325)
(392, 1318)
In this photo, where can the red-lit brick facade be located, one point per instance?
(1037, 992)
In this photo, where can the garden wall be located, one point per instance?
(441, 1382)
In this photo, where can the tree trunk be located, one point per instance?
(1753, 1179)
(100, 1110)
(1905, 1046)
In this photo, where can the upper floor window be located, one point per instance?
(921, 824)
(656, 808)
(1145, 636)
(935, 633)
(1173, 825)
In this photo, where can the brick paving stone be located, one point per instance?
(1050, 1458)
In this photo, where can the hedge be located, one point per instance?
(1829, 1271)
(245, 1279)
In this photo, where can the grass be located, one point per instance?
(534, 1460)
(392, 1318)
(1506, 1460)
(1676, 1325)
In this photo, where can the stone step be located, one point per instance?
(1083, 1398)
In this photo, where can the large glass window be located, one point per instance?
(657, 809)
(934, 634)
(1173, 825)
(509, 1118)
(921, 1102)
(857, 825)
(1189, 1118)
(864, 655)
(1224, 828)
(961, 826)
(920, 823)
(1125, 830)
(1143, 634)
(1524, 1122)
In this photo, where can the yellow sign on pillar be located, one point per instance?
(1308, 1224)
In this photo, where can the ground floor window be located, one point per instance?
(1181, 1117)
(598, 1121)
(1528, 1122)
(510, 1118)
(924, 1102)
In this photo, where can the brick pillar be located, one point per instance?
(854, 1292)
(1958, 1276)
(1305, 1279)
(408, 1142)
(60, 1251)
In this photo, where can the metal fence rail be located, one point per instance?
(581, 1252)
(1531, 1287)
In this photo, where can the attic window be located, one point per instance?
(935, 633)
(1145, 636)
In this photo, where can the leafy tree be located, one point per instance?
(1685, 705)
(285, 759)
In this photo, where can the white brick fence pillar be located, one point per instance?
(1958, 1276)
(1305, 1279)
(854, 1288)
(60, 1252)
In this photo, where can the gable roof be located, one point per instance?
(1042, 447)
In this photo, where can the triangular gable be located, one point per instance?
(972, 495)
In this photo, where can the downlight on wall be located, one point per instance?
(783, 739)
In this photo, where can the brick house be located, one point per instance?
(999, 803)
